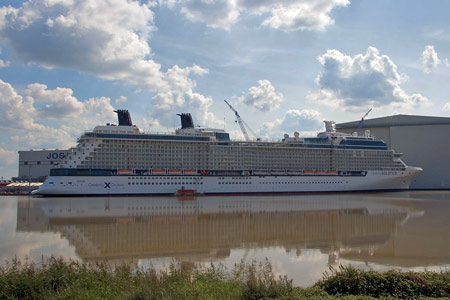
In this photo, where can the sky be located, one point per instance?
(284, 65)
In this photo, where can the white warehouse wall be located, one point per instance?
(425, 146)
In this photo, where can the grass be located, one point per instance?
(57, 279)
(403, 285)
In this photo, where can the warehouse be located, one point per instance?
(424, 142)
(35, 165)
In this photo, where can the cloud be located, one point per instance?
(430, 60)
(4, 64)
(42, 117)
(111, 45)
(446, 107)
(60, 105)
(302, 15)
(262, 97)
(95, 111)
(55, 104)
(306, 121)
(287, 15)
(16, 112)
(121, 99)
(7, 157)
(215, 13)
(362, 81)
(180, 97)
(73, 34)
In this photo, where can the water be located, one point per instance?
(300, 235)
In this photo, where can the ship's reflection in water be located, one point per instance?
(379, 230)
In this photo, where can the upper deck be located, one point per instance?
(330, 139)
(223, 138)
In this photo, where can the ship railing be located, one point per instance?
(256, 172)
(254, 141)
(137, 133)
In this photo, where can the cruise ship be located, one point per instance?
(122, 160)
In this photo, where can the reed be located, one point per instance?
(55, 278)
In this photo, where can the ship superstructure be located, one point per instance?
(120, 159)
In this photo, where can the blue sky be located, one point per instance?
(284, 65)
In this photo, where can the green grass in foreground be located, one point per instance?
(56, 279)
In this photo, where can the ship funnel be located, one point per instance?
(186, 120)
(124, 117)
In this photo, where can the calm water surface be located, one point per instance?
(300, 235)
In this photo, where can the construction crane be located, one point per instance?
(360, 125)
(241, 122)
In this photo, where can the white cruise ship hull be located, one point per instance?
(208, 184)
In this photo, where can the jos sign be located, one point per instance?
(56, 155)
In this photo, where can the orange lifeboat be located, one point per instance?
(124, 171)
(174, 171)
(158, 171)
(190, 172)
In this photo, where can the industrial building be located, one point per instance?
(424, 142)
(35, 165)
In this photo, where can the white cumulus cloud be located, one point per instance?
(431, 61)
(285, 15)
(362, 81)
(104, 38)
(307, 122)
(180, 97)
(215, 13)
(41, 117)
(262, 97)
(16, 112)
(121, 99)
(108, 39)
(301, 15)
(58, 103)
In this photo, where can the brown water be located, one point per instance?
(300, 235)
